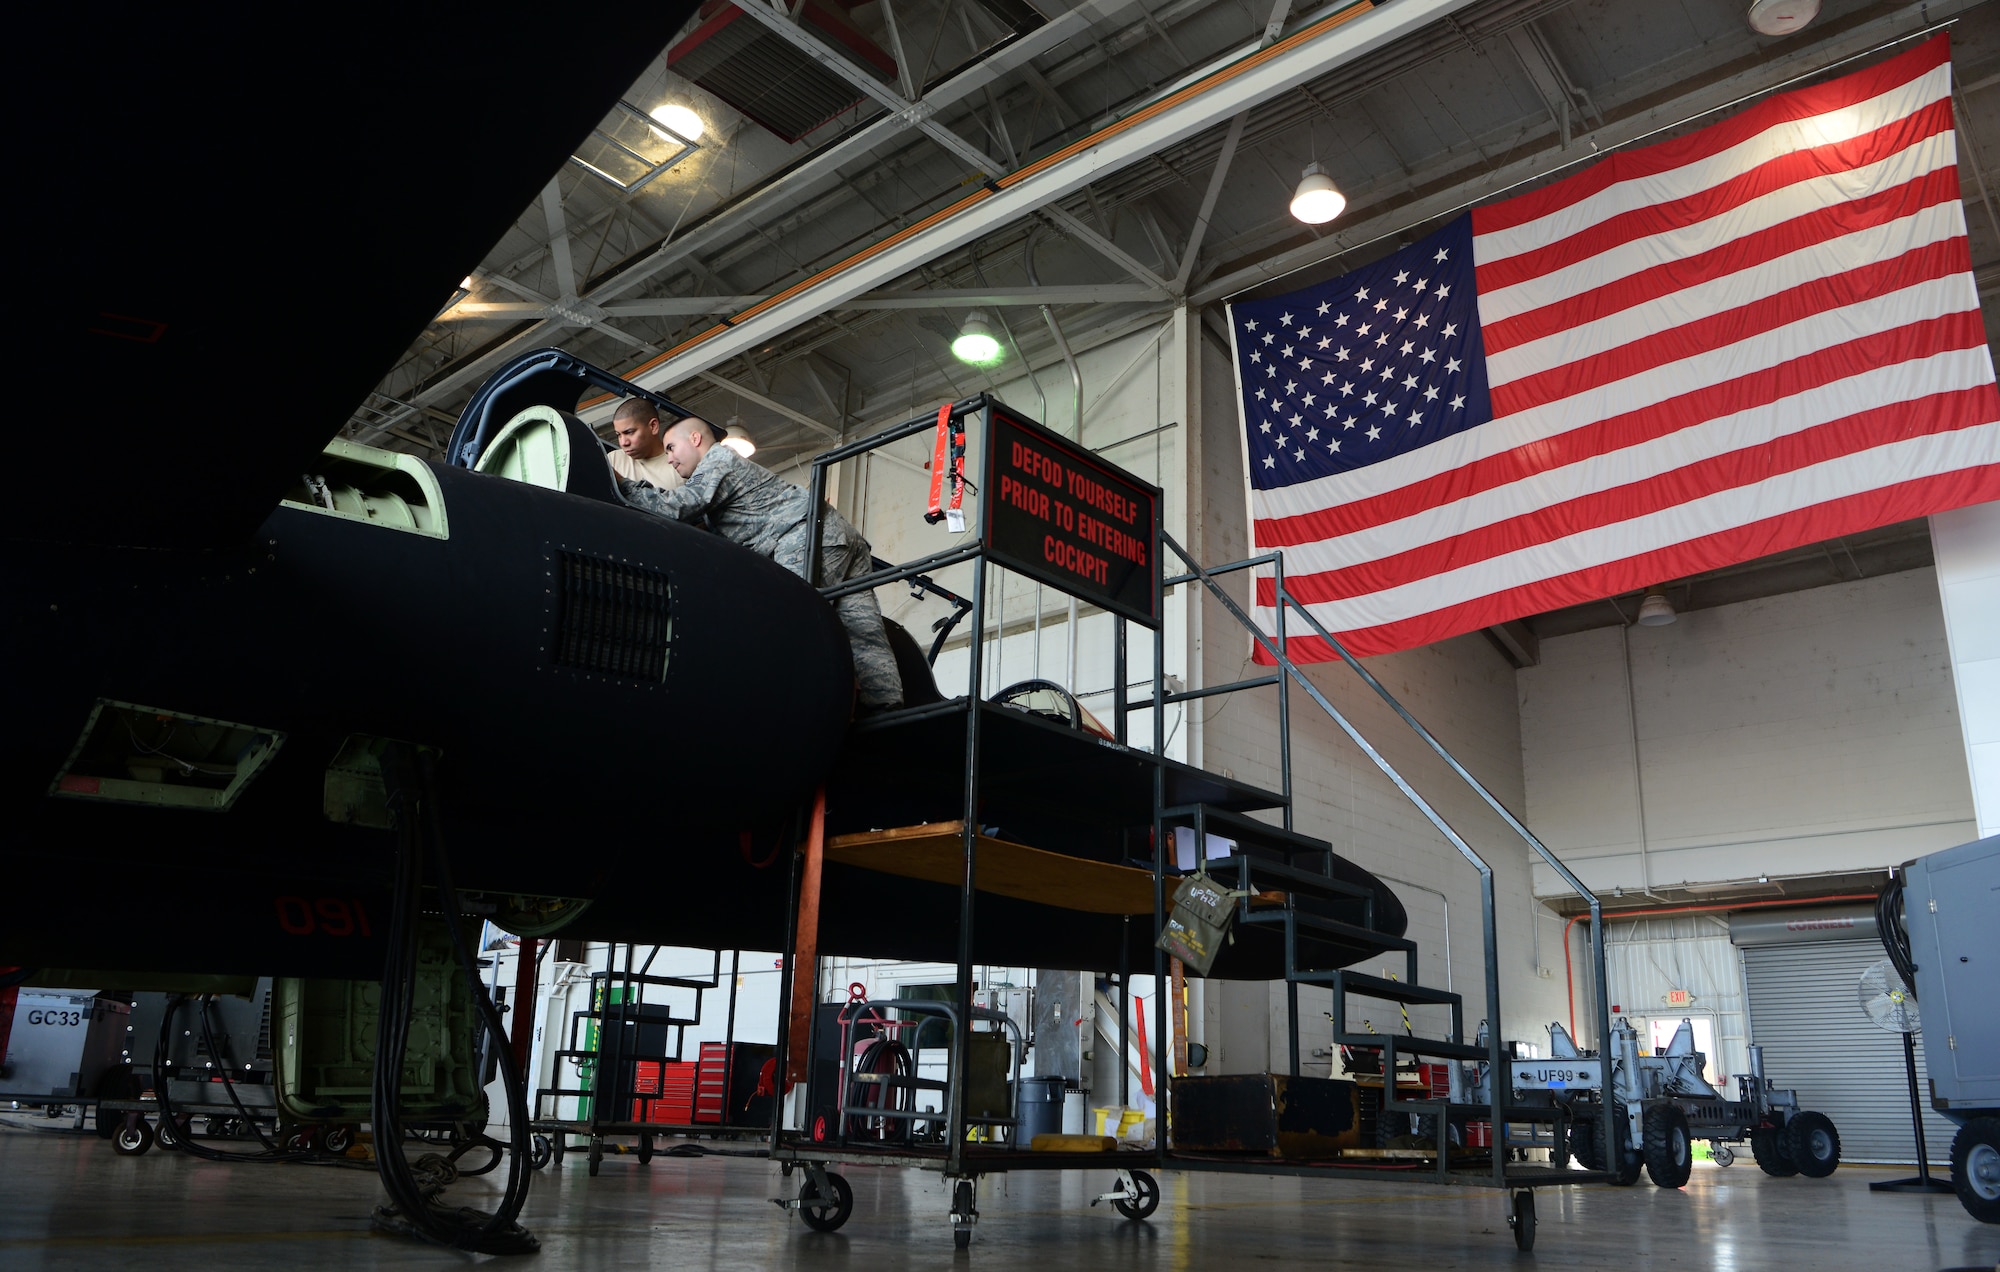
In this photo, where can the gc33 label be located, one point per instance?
(59, 1019)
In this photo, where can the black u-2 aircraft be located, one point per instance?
(222, 625)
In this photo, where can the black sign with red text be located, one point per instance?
(1058, 514)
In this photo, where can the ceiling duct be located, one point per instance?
(732, 55)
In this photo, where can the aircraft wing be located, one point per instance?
(233, 231)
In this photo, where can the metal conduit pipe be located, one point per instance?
(1076, 433)
(1569, 973)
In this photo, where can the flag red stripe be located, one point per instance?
(1627, 165)
(1829, 520)
(1732, 326)
(1737, 256)
(1705, 205)
(1746, 392)
(1941, 413)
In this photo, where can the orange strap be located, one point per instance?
(948, 450)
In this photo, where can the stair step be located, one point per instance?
(1248, 870)
(1325, 929)
(1408, 1046)
(1396, 991)
(1247, 830)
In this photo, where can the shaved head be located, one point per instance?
(691, 438)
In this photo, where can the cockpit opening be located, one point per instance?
(381, 488)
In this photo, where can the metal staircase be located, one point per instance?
(1289, 885)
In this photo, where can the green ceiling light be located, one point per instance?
(976, 342)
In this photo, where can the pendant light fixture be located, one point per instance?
(1316, 201)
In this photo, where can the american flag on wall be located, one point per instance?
(1760, 335)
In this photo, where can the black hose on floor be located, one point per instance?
(415, 1208)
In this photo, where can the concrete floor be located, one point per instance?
(66, 1201)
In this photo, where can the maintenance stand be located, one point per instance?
(1040, 837)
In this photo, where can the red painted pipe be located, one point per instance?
(523, 1005)
(1569, 972)
(805, 946)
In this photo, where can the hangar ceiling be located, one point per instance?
(829, 126)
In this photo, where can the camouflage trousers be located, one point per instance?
(876, 679)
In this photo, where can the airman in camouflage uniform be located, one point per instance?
(760, 511)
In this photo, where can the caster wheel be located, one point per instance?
(645, 1149)
(338, 1139)
(1145, 1197)
(833, 1211)
(964, 1211)
(557, 1146)
(132, 1140)
(596, 1156)
(541, 1152)
(1523, 1220)
(1722, 1155)
(170, 1135)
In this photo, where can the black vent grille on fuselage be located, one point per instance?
(616, 619)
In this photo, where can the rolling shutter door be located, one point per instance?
(1805, 1010)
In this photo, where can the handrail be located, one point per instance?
(1274, 646)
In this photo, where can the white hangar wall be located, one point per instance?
(1811, 733)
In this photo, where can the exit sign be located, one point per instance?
(1679, 998)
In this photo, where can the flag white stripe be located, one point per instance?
(1627, 259)
(1857, 473)
(1905, 382)
(1718, 169)
(1821, 331)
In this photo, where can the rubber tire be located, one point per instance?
(168, 1136)
(1623, 1164)
(132, 1141)
(962, 1204)
(1583, 1137)
(1146, 1198)
(541, 1152)
(645, 1150)
(1976, 1149)
(596, 1156)
(1722, 1154)
(557, 1148)
(338, 1139)
(1813, 1144)
(1774, 1156)
(843, 1204)
(1524, 1221)
(1669, 1152)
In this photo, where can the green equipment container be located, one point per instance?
(324, 1043)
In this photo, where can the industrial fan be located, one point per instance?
(1887, 1001)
